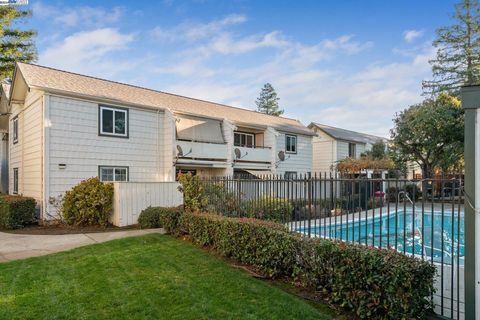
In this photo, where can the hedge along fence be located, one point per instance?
(373, 283)
(16, 211)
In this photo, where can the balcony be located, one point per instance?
(203, 150)
(253, 157)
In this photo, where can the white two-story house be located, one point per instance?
(332, 144)
(65, 127)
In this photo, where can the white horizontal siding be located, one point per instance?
(300, 162)
(26, 154)
(74, 140)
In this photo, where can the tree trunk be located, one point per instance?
(427, 171)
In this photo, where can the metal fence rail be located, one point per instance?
(423, 218)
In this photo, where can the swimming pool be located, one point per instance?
(418, 234)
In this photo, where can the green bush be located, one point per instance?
(413, 191)
(16, 211)
(265, 245)
(372, 283)
(268, 208)
(88, 203)
(150, 218)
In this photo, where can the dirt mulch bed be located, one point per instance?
(56, 229)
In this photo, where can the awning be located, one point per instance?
(260, 173)
(199, 129)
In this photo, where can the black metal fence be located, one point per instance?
(423, 218)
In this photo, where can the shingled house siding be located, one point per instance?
(74, 141)
(300, 162)
(26, 154)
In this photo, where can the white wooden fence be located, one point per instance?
(130, 198)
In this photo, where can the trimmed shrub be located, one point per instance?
(88, 203)
(16, 211)
(266, 208)
(158, 217)
(373, 283)
(150, 218)
(265, 245)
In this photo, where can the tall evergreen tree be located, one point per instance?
(15, 44)
(457, 61)
(267, 102)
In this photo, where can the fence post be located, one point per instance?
(471, 103)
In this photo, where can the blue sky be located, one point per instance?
(345, 63)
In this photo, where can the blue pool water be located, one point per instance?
(406, 232)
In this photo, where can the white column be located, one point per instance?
(471, 103)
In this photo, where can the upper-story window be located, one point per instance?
(290, 144)
(242, 139)
(113, 121)
(352, 149)
(15, 129)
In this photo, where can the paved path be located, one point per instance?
(21, 246)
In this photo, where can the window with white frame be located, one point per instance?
(290, 144)
(15, 180)
(113, 173)
(242, 139)
(113, 121)
(15, 129)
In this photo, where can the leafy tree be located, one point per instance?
(15, 44)
(267, 102)
(457, 61)
(377, 151)
(430, 134)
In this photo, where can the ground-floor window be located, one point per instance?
(178, 171)
(290, 175)
(15, 180)
(113, 173)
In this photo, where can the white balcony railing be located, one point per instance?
(203, 150)
(255, 154)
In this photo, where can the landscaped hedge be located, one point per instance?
(372, 283)
(157, 217)
(16, 211)
(88, 203)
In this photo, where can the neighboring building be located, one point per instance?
(331, 145)
(66, 127)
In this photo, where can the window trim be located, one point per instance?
(113, 167)
(100, 122)
(246, 134)
(296, 143)
(15, 129)
(15, 181)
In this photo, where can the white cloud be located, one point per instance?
(412, 35)
(88, 51)
(78, 16)
(193, 32)
(225, 44)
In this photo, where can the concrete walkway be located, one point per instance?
(21, 246)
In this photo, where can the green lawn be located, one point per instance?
(149, 277)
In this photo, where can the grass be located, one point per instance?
(148, 277)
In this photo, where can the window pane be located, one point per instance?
(294, 144)
(120, 174)
(237, 139)
(106, 174)
(249, 141)
(107, 121)
(120, 122)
